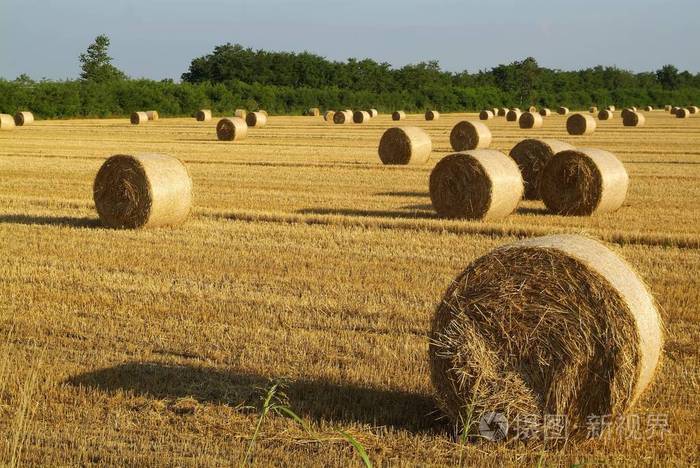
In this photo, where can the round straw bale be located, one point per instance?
(494, 111)
(256, 119)
(373, 113)
(485, 115)
(263, 112)
(544, 112)
(342, 117)
(6, 122)
(674, 110)
(203, 115)
(593, 110)
(668, 108)
(580, 124)
(470, 135)
(583, 181)
(476, 184)
(231, 129)
(605, 115)
(138, 118)
(314, 112)
(516, 109)
(532, 109)
(626, 111)
(398, 115)
(152, 115)
(548, 325)
(432, 115)
(634, 108)
(693, 109)
(563, 111)
(240, 113)
(633, 119)
(530, 120)
(682, 113)
(142, 191)
(513, 115)
(360, 117)
(24, 118)
(610, 108)
(405, 145)
(648, 109)
(531, 156)
(328, 115)
(502, 112)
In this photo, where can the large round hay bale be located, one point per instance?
(513, 115)
(256, 119)
(138, 118)
(693, 109)
(432, 115)
(682, 113)
(563, 111)
(485, 115)
(313, 112)
(544, 112)
(360, 117)
(398, 115)
(593, 110)
(203, 115)
(152, 115)
(531, 156)
(583, 181)
(580, 124)
(24, 118)
(502, 111)
(467, 135)
(530, 120)
(476, 184)
(7, 122)
(342, 117)
(605, 114)
(627, 111)
(231, 129)
(328, 115)
(633, 119)
(556, 325)
(373, 113)
(648, 109)
(142, 191)
(240, 113)
(405, 145)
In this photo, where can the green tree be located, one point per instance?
(668, 77)
(96, 64)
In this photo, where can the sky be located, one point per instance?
(158, 38)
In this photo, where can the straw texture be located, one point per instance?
(531, 156)
(405, 145)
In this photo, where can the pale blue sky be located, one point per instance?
(158, 38)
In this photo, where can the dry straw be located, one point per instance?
(240, 113)
(405, 145)
(152, 115)
(583, 181)
(563, 111)
(486, 115)
(544, 112)
(593, 110)
(532, 109)
(231, 129)
(314, 112)
(531, 156)
(516, 109)
(605, 115)
(610, 108)
(477, 184)
(328, 115)
(263, 112)
(693, 109)
(256, 119)
(633, 119)
(682, 113)
(530, 120)
(648, 108)
(674, 110)
(203, 115)
(513, 115)
(494, 111)
(580, 124)
(6, 122)
(627, 111)
(360, 117)
(373, 113)
(550, 325)
(668, 107)
(502, 112)
(24, 118)
(467, 135)
(398, 115)
(432, 115)
(142, 191)
(138, 118)
(342, 117)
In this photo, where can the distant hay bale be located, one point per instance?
(513, 115)
(583, 181)
(360, 117)
(485, 115)
(432, 115)
(682, 113)
(373, 113)
(593, 110)
(502, 112)
(532, 109)
(467, 135)
(626, 111)
(530, 120)
(648, 109)
(328, 115)
(476, 184)
(24, 118)
(610, 108)
(398, 115)
(544, 112)
(633, 119)
(516, 109)
(668, 107)
(605, 114)
(6, 122)
(342, 117)
(240, 113)
(580, 124)
(494, 111)
(152, 115)
(547, 325)
(693, 109)
(203, 115)
(138, 118)
(531, 156)
(314, 112)
(633, 108)
(405, 145)
(263, 112)
(674, 110)
(563, 111)
(256, 119)
(142, 191)
(231, 129)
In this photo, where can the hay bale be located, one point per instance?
(674, 110)
(405, 145)
(563, 111)
(485, 115)
(476, 184)
(513, 115)
(544, 112)
(682, 113)
(203, 115)
(6, 122)
(24, 118)
(530, 120)
(532, 109)
(152, 115)
(580, 124)
(231, 129)
(256, 119)
(142, 191)
(648, 109)
(516, 109)
(432, 115)
(398, 115)
(583, 181)
(328, 115)
(342, 117)
(360, 117)
(610, 108)
(240, 113)
(373, 113)
(593, 110)
(494, 111)
(138, 118)
(626, 112)
(467, 135)
(502, 112)
(605, 114)
(314, 112)
(693, 109)
(531, 156)
(549, 325)
(633, 119)
(668, 107)
(263, 112)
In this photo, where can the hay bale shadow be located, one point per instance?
(368, 213)
(32, 220)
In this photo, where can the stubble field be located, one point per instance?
(305, 262)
